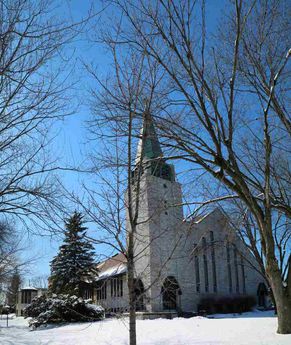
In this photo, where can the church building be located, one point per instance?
(180, 265)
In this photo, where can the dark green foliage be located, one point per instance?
(74, 263)
(225, 305)
(61, 308)
(7, 309)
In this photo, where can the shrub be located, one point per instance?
(61, 308)
(225, 305)
(7, 309)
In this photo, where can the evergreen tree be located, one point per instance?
(74, 265)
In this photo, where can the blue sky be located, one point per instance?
(69, 144)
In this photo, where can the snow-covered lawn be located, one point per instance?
(256, 328)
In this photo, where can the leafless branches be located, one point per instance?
(34, 96)
(224, 103)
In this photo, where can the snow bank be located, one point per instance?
(258, 328)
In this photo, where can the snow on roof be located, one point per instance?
(113, 271)
(29, 288)
(112, 266)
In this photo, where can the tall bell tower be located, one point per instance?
(160, 216)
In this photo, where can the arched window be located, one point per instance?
(170, 292)
(243, 274)
(262, 293)
(228, 267)
(236, 270)
(197, 274)
(139, 295)
(205, 264)
(214, 278)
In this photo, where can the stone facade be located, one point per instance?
(177, 262)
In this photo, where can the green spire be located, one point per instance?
(150, 150)
(151, 146)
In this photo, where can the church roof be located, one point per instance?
(202, 217)
(150, 145)
(113, 266)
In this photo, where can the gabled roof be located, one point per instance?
(201, 217)
(113, 266)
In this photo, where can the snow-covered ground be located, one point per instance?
(256, 328)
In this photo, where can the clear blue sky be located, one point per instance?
(69, 144)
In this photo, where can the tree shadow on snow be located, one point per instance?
(247, 315)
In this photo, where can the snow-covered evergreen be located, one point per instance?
(74, 265)
(61, 308)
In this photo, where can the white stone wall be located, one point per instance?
(164, 247)
(172, 243)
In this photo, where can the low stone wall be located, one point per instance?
(151, 316)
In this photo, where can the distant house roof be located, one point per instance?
(29, 288)
(113, 266)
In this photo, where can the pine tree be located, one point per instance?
(74, 263)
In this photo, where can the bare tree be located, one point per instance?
(117, 114)
(34, 96)
(120, 106)
(13, 287)
(40, 281)
(225, 96)
(10, 255)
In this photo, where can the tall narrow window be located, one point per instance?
(243, 274)
(101, 290)
(116, 287)
(166, 206)
(205, 264)
(87, 293)
(236, 270)
(213, 262)
(113, 287)
(104, 290)
(197, 273)
(25, 296)
(121, 286)
(228, 267)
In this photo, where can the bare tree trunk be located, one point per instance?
(132, 315)
(282, 295)
(131, 292)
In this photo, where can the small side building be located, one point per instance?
(111, 285)
(25, 296)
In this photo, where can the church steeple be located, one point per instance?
(149, 146)
(149, 152)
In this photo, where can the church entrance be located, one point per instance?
(262, 294)
(139, 295)
(170, 292)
